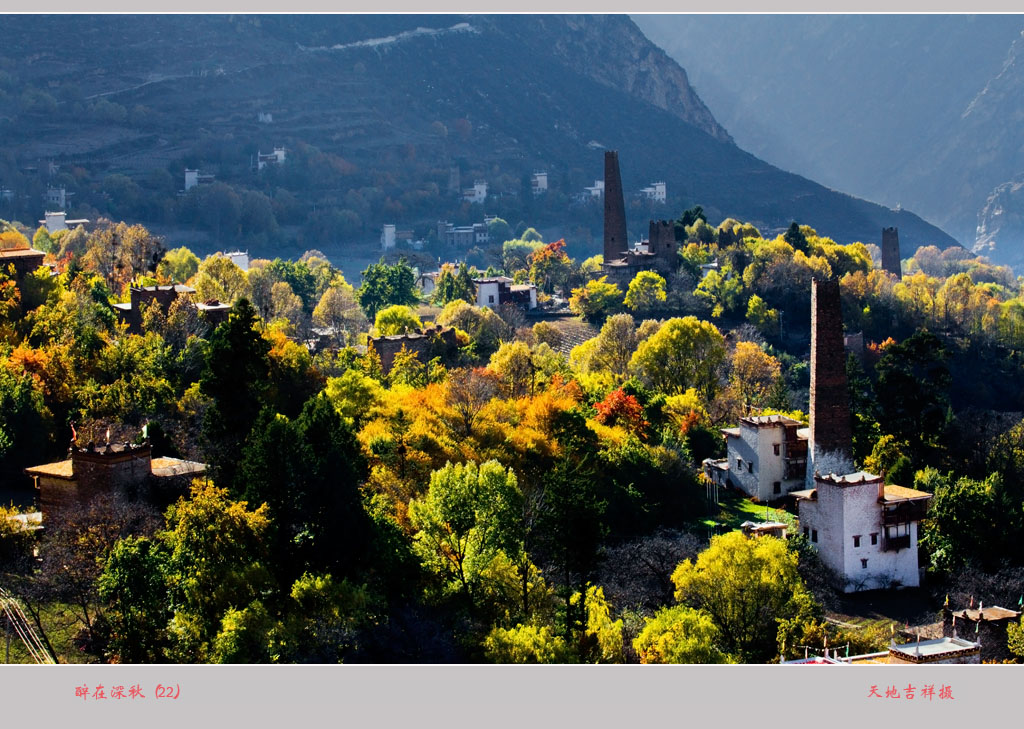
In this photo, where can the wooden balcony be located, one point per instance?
(895, 544)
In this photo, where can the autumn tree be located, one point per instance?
(219, 278)
(596, 299)
(754, 373)
(339, 312)
(550, 267)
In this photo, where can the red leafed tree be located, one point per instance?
(621, 409)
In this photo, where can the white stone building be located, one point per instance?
(240, 259)
(277, 157)
(864, 529)
(387, 237)
(539, 183)
(767, 457)
(477, 193)
(655, 192)
(498, 290)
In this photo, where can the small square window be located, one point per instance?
(776, 446)
(814, 535)
(777, 487)
(490, 299)
(750, 467)
(874, 539)
(739, 463)
(806, 531)
(856, 541)
(863, 564)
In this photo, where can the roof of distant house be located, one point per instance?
(759, 420)
(165, 467)
(58, 469)
(20, 253)
(990, 613)
(493, 279)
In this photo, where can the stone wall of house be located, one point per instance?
(424, 343)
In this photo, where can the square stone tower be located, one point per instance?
(615, 236)
(830, 448)
(891, 251)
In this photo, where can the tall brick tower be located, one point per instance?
(615, 236)
(891, 251)
(830, 449)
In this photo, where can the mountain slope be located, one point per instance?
(393, 102)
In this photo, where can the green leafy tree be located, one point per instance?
(454, 285)
(679, 634)
(762, 316)
(683, 353)
(236, 379)
(723, 289)
(178, 264)
(746, 586)
(134, 585)
(468, 514)
(396, 319)
(217, 560)
(385, 286)
(913, 394)
(646, 293)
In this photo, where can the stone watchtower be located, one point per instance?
(615, 237)
(891, 251)
(661, 243)
(830, 449)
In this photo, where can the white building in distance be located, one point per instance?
(864, 529)
(539, 183)
(655, 192)
(477, 193)
(387, 237)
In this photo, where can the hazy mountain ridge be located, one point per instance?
(921, 111)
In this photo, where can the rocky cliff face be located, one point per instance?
(613, 51)
(1001, 225)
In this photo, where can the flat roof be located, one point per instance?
(902, 493)
(165, 466)
(58, 469)
(806, 494)
(935, 648)
(734, 432)
(857, 477)
(20, 253)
